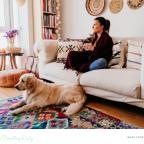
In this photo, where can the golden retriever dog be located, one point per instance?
(38, 94)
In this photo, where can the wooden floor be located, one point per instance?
(129, 114)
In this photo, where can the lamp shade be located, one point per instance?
(20, 2)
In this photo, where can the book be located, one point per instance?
(49, 19)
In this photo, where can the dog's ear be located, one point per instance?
(30, 81)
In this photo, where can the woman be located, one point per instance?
(107, 26)
(98, 54)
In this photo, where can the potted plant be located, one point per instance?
(10, 36)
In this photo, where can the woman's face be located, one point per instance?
(97, 27)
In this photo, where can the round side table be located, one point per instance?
(12, 60)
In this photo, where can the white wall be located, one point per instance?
(37, 16)
(26, 27)
(77, 23)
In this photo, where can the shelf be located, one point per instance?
(49, 18)
(50, 13)
(49, 27)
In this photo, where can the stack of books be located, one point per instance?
(49, 6)
(47, 33)
(49, 21)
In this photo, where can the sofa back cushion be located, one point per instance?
(134, 54)
(46, 50)
(116, 54)
(142, 74)
(65, 46)
(119, 58)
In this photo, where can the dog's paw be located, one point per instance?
(12, 107)
(64, 109)
(67, 113)
(14, 112)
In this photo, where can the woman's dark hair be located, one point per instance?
(107, 26)
(102, 21)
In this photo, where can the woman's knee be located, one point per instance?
(98, 64)
(103, 61)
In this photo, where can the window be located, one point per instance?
(8, 18)
(2, 22)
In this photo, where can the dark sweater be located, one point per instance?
(81, 61)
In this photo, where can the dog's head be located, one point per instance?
(26, 81)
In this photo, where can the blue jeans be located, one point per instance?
(98, 64)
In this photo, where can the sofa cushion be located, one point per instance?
(57, 71)
(142, 74)
(116, 54)
(119, 61)
(65, 46)
(46, 50)
(120, 81)
(134, 54)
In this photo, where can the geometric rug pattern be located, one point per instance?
(52, 118)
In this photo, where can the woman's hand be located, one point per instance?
(88, 47)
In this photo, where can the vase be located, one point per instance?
(10, 42)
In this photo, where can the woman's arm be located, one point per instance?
(88, 47)
(107, 49)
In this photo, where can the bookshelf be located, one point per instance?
(47, 19)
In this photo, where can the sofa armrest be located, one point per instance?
(142, 74)
(46, 50)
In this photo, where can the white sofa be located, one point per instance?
(121, 85)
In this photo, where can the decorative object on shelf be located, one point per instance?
(10, 36)
(135, 4)
(51, 19)
(116, 6)
(95, 7)
(20, 2)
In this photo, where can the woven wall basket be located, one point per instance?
(135, 4)
(95, 7)
(116, 6)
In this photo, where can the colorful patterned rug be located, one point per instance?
(53, 118)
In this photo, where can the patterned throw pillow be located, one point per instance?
(70, 40)
(134, 54)
(120, 51)
(116, 54)
(65, 46)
